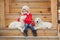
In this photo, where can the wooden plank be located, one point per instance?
(29, 38)
(8, 22)
(36, 12)
(29, 0)
(20, 4)
(41, 10)
(33, 0)
(6, 6)
(54, 12)
(2, 16)
(9, 33)
(32, 12)
(46, 18)
(59, 28)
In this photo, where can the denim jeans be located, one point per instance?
(31, 27)
(28, 26)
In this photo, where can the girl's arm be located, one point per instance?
(18, 19)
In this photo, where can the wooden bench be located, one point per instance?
(40, 32)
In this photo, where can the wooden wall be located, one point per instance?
(39, 8)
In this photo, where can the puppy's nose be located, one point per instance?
(37, 21)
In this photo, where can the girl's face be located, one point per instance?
(24, 11)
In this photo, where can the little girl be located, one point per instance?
(28, 21)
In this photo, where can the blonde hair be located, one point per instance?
(26, 8)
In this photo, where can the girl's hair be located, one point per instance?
(25, 8)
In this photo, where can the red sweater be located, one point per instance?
(28, 19)
(18, 19)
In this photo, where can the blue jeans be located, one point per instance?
(31, 27)
(28, 26)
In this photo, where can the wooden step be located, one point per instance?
(29, 38)
(40, 32)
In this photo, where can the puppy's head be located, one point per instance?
(38, 20)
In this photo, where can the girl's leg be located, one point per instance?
(25, 30)
(33, 30)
